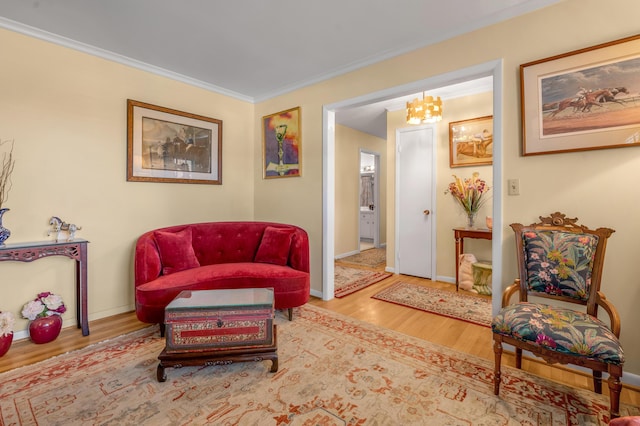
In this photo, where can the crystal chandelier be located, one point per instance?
(427, 110)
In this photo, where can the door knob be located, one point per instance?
(426, 212)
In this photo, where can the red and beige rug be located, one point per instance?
(458, 305)
(349, 280)
(333, 371)
(373, 258)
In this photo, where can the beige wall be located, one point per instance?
(66, 112)
(449, 215)
(349, 142)
(586, 184)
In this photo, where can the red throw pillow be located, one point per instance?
(275, 244)
(176, 251)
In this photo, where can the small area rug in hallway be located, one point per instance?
(349, 280)
(373, 258)
(462, 306)
(334, 370)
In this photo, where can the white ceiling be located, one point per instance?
(253, 49)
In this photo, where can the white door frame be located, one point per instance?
(491, 68)
(433, 219)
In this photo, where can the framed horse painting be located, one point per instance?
(166, 145)
(471, 142)
(582, 100)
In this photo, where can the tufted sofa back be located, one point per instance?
(219, 242)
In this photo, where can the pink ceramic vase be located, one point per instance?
(5, 343)
(45, 329)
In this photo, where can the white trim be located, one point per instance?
(493, 68)
(347, 254)
(498, 158)
(328, 201)
(115, 57)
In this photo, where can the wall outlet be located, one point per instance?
(513, 186)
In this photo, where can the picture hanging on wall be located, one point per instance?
(471, 142)
(282, 144)
(582, 100)
(166, 145)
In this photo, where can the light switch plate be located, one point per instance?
(513, 186)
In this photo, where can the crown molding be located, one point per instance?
(114, 57)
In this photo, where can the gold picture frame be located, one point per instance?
(471, 142)
(582, 100)
(167, 145)
(282, 144)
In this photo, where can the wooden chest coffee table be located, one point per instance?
(218, 327)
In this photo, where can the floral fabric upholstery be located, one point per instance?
(559, 263)
(559, 329)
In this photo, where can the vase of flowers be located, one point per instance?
(44, 313)
(6, 331)
(469, 194)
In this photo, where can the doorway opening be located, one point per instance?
(493, 69)
(369, 201)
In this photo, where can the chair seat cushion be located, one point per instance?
(559, 329)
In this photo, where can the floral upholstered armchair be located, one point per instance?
(561, 260)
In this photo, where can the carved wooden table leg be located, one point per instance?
(161, 375)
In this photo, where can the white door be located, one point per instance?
(414, 193)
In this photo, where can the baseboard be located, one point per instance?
(351, 253)
(316, 293)
(450, 280)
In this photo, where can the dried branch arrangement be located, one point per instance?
(6, 168)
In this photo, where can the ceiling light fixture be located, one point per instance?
(427, 110)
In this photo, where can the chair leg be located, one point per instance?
(497, 350)
(518, 358)
(614, 395)
(290, 314)
(597, 381)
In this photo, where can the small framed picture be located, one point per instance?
(282, 144)
(471, 142)
(582, 100)
(166, 145)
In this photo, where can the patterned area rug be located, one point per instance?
(333, 370)
(450, 304)
(350, 280)
(373, 258)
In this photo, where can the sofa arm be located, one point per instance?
(147, 265)
(299, 251)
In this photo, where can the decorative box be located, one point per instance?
(219, 320)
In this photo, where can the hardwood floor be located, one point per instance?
(462, 336)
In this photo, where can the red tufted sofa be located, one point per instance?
(220, 255)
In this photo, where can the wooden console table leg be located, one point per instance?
(81, 280)
(459, 251)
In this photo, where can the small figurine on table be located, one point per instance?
(59, 226)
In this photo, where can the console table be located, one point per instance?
(75, 249)
(462, 233)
